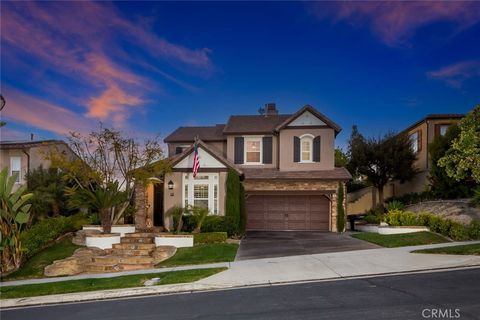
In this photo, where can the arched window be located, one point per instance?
(306, 148)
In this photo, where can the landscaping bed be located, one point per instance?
(469, 249)
(201, 254)
(401, 240)
(83, 285)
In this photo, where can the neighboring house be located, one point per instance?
(421, 133)
(285, 162)
(22, 156)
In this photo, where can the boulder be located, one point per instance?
(72, 265)
(162, 253)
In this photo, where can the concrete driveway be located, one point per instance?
(268, 244)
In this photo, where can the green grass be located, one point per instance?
(33, 268)
(469, 249)
(207, 253)
(105, 283)
(401, 240)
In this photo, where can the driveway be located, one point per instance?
(268, 244)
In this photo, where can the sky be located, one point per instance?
(148, 67)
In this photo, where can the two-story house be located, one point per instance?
(285, 162)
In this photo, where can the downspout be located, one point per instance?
(28, 163)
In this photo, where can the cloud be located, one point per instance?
(455, 74)
(395, 22)
(7, 133)
(32, 111)
(84, 41)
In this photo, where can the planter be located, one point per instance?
(389, 229)
(103, 240)
(116, 228)
(176, 240)
(93, 227)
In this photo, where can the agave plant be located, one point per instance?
(15, 213)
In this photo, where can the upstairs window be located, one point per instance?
(253, 150)
(416, 140)
(306, 143)
(443, 129)
(15, 167)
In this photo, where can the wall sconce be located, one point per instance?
(170, 185)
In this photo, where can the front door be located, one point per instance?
(158, 204)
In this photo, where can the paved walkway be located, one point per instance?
(274, 271)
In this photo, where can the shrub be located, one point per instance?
(414, 197)
(44, 232)
(474, 229)
(210, 237)
(394, 205)
(445, 226)
(200, 214)
(340, 209)
(189, 223)
(213, 224)
(374, 216)
(476, 197)
(458, 232)
(232, 214)
(434, 223)
(243, 209)
(423, 219)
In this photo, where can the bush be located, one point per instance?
(374, 216)
(210, 237)
(445, 226)
(41, 234)
(243, 210)
(457, 232)
(434, 223)
(474, 230)
(476, 197)
(213, 224)
(189, 223)
(401, 218)
(232, 215)
(394, 205)
(414, 197)
(340, 209)
(423, 219)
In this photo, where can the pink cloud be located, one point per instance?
(455, 74)
(32, 111)
(395, 22)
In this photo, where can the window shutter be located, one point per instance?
(316, 149)
(267, 150)
(419, 141)
(437, 130)
(178, 150)
(296, 149)
(238, 150)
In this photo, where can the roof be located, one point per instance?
(254, 123)
(25, 144)
(436, 116)
(179, 157)
(187, 134)
(267, 174)
(315, 112)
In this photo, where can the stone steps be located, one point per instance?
(94, 267)
(132, 240)
(134, 246)
(132, 252)
(139, 235)
(120, 259)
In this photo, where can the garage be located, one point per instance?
(288, 212)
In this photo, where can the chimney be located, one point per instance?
(270, 109)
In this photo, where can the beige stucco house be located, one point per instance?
(421, 133)
(22, 156)
(285, 162)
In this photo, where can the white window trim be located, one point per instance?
(213, 179)
(306, 137)
(250, 138)
(12, 158)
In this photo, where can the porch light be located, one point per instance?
(170, 185)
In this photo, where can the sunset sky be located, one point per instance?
(149, 67)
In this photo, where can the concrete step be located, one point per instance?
(134, 246)
(114, 259)
(140, 235)
(132, 252)
(132, 240)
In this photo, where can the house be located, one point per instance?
(22, 156)
(421, 133)
(285, 162)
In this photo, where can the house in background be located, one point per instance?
(22, 156)
(421, 133)
(285, 162)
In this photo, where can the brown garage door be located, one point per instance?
(288, 212)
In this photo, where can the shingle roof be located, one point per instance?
(314, 111)
(254, 123)
(267, 174)
(187, 134)
(28, 144)
(436, 116)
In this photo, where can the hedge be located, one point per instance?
(41, 234)
(209, 237)
(446, 227)
(232, 213)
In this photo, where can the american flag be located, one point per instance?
(196, 161)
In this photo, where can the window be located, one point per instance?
(253, 150)
(306, 143)
(443, 129)
(416, 140)
(201, 191)
(15, 167)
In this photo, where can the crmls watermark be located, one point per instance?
(439, 313)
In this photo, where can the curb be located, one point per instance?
(105, 295)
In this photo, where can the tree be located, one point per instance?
(232, 215)
(463, 159)
(442, 185)
(14, 214)
(340, 209)
(108, 156)
(381, 159)
(341, 159)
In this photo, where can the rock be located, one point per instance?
(74, 264)
(151, 282)
(162, 253)
(80, 235)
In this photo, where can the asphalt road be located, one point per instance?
(395, 297)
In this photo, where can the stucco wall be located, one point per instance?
(421, 161)
(327, 150)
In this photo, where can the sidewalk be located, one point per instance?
(327, 266)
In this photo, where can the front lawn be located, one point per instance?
(401, 240)
(469, 249)
(43, 289)
(207, 253)
(33, 268)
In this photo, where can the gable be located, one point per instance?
(205, 158)
(306, 119)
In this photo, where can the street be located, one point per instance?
(450, 293)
